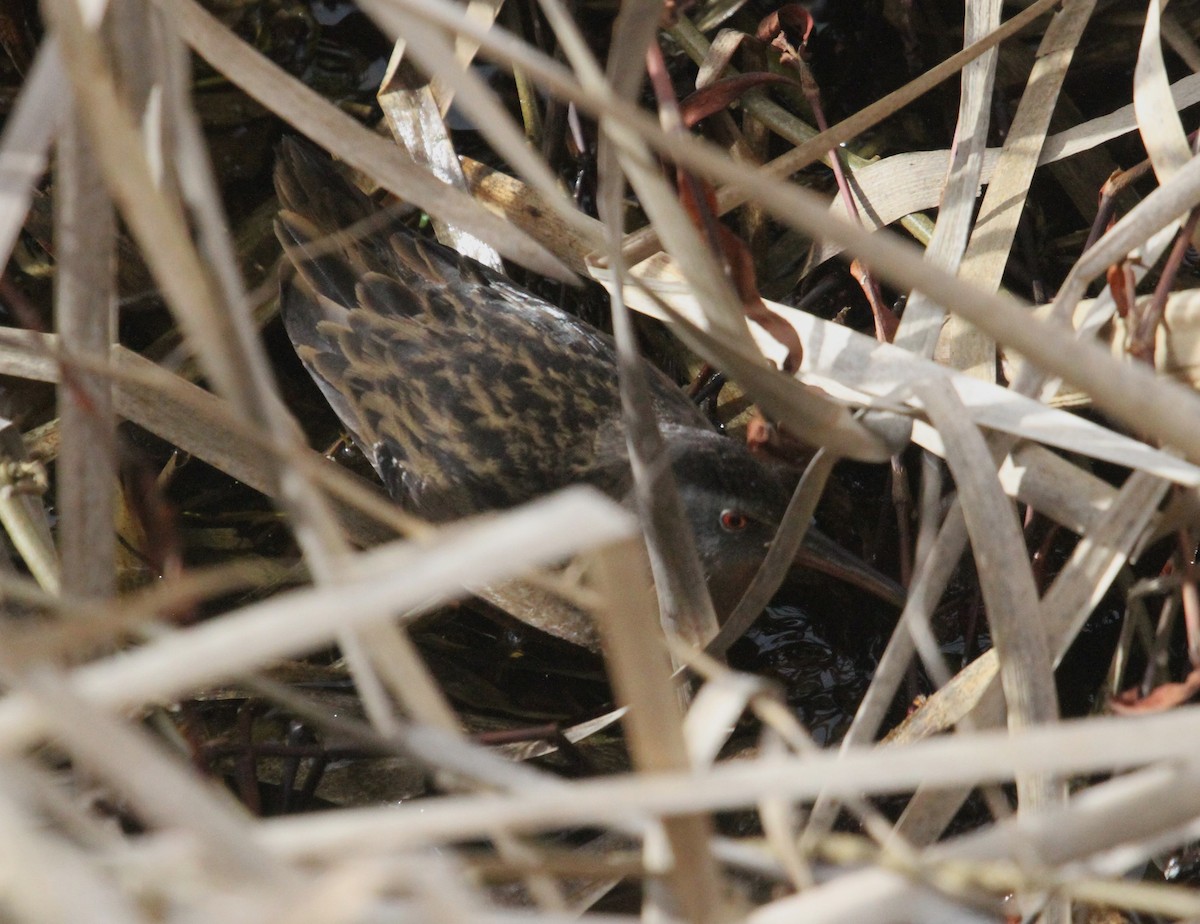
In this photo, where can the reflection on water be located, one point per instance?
(823, 669)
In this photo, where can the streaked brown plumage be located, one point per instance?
(468, 393)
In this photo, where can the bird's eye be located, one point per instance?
(734, 521)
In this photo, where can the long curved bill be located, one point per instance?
(820, 553)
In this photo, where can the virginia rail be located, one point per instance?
(469, 394)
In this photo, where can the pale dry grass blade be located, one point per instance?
(529, 212)
(714, 711)
(1006, 582)
(983, 757)
(685, 606)
(156, 220)
(635, 28)
(1093, 566)
(86, 318)
(317, 531)
(201, 194)
(40, 110)
(1170, 154)
(883, 896)
(405, 675)
(1097, 824)
(624, 158)
(851, 365)
(639, 667)
(483, 12)
(1185, 92)
(436, 58)
(923, 319)
(206, 295)
(1158, 121)
(725, 694)
(974, 692)
(721, 313)
(1176, 36)
(658, 292)
(1054, 487)
(962, 346)
(487, 551)
(414, 117)
(888, 189)
(400, 669)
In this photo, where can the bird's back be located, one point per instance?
(467, 392)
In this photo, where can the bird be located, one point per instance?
(470, 394)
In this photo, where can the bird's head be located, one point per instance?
(734, 503)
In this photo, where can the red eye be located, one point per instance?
(734, 521)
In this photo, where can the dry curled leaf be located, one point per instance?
(792, 20)
(1160, 699)
(699, 200)
(720, 94)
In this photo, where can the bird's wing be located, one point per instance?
(467, 392)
